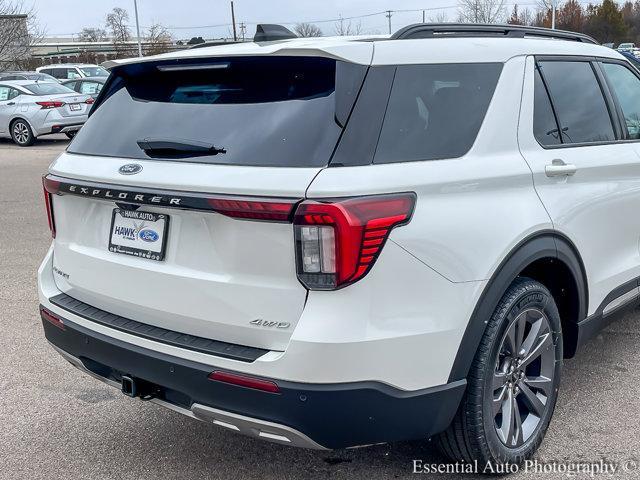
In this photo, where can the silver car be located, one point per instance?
(30, 109)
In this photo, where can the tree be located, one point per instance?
(158, 39)
(118, 25)
(605, 23)
(18, 33)
(90, 34)
(571, 17)
(307, 30)
(481, 11)
(345, 29)
(520, 17)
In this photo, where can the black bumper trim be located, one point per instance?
(177, 339)
(333, 415)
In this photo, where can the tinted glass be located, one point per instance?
(435, 111)
(94, 72)
(577, 98)
(626, 87)
(48, 89)
(271, 111)
(545, 127)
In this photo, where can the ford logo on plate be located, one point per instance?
(148, 236)
(130, 169)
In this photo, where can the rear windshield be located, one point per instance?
(435, 111)
(48, 89)
(256, 111)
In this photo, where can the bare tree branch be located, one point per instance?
(307, 30)
(91, 34)
(346, 28)
(158, 39)
(482, 11)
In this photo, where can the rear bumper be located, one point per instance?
(305, 415)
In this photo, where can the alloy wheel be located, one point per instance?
(21, 132)
(523, 384)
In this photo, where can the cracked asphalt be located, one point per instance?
(56, 423)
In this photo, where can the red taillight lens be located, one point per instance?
(52, 319)
(90, 101)
(50, 187)
(245, 381)
(50, 104)
(337, 242)
(253, 210)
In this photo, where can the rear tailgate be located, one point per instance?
(219, 274)
(198, 139)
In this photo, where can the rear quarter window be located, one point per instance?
(435, 111)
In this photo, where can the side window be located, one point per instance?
(545, 127)
(89, 88)
(13, 93)
(49, 71)
(4, 93)
(71, 85)
(435, 111)
(579, 104)
(72, 73)
(626, 87)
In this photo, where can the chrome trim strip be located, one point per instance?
(621, 300)
(251, 427)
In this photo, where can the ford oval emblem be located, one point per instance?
(130, 169)
(148, 235)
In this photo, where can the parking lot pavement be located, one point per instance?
(56, 423)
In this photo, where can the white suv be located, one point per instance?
(338, 242)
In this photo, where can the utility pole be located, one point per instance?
(424, 16)
(553, 14)
(243, 30)
(135, 6)
(388, 15)
(233, 19)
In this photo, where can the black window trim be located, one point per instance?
(613, 107)
(626, 64)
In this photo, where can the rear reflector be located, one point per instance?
(50, 187)
(338, 241)
(52, 319)
(245, 381)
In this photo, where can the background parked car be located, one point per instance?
(626, 47)
(74, 70)
(41, 77)
(30, 109)
(86, 86)
(634, 60)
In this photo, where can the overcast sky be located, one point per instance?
(70, 16)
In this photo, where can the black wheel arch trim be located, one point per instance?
(539, 245)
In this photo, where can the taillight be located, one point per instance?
(276, 211)
(338, 241)
(51, 318)
(90, 101)
(50, 104)
(50, 188)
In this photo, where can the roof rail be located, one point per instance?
(267, 32)
(430, 30)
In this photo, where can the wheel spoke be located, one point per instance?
(544, 342)
(499, 380)
(516, 437)
(499, 402)
(532, 400)
(532, 336)
(505, 430)
(539, 383)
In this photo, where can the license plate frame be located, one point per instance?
(119, 243)
(75, 107)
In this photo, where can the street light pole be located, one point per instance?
(553, 14)
(135, 6)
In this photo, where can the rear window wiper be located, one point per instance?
(165, 148)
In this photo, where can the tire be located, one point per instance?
(71, 135)
(481, 430)
(22, 134)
